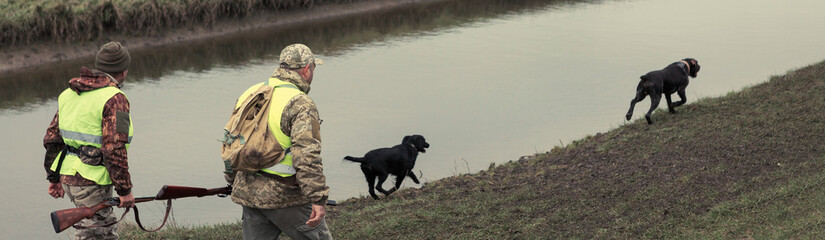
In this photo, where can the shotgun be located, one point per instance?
(63, 219)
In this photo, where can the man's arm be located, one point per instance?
(53, 143)
(304, 129)
(115, 126)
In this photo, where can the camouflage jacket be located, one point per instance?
(113, 148)
(300, 121)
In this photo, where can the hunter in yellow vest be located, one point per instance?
(87, 140)
(282, 93)
(291, 196)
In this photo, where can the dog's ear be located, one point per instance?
(696, 70)
(406, 139)
(694, 66)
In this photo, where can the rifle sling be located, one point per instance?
(60, 162)
(166, 216)
(137, 219)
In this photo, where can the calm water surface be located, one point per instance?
(484, 84)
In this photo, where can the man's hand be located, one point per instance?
(318, 213)
(56, 190)
(127, 201)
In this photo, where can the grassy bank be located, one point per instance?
(746, 165)
(25, 21)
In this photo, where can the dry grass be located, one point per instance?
(26, 21)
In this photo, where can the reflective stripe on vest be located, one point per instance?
(281, 94)
(98, 140)
(80, 119)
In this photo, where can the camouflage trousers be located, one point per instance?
(270, 223)
(87, 196)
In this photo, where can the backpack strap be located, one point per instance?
(285, 84)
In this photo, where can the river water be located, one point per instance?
(485, 83)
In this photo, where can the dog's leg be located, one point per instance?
(398, 180)
(412, 176)
(370, 184)
(654, 103)
(379, 186)
(640, 95)
(669, 104)
(681, 92)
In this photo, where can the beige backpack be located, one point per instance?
(248, 144)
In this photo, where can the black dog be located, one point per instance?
(673, 78)
(397, 160)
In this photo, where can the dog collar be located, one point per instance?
(687, 66)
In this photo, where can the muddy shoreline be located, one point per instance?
(29, 57)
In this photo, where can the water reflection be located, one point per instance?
(20, 90)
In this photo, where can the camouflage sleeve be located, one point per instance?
(303, 125)
(115, 128)
(53, 143)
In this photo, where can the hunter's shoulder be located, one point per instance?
(301, 103)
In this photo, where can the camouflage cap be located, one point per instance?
(298, 56)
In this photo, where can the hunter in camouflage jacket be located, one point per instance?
(301, 122)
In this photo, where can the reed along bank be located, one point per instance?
(26, 21)
(748, 165)
(40, 32)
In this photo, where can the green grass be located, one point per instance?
(748, 165)
(786, 211)
(219, 231)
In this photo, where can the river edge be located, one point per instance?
(21, 58)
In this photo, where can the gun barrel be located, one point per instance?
(139, 200)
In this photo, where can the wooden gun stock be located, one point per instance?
(173, 192)
(63, 219)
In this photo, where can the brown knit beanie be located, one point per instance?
(112, 58)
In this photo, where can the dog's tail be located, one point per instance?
(645, 77)
(354, 159)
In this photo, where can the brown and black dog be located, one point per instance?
(671, 79)
(397, 160)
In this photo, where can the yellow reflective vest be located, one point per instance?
(80, 118)
(281, 94)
